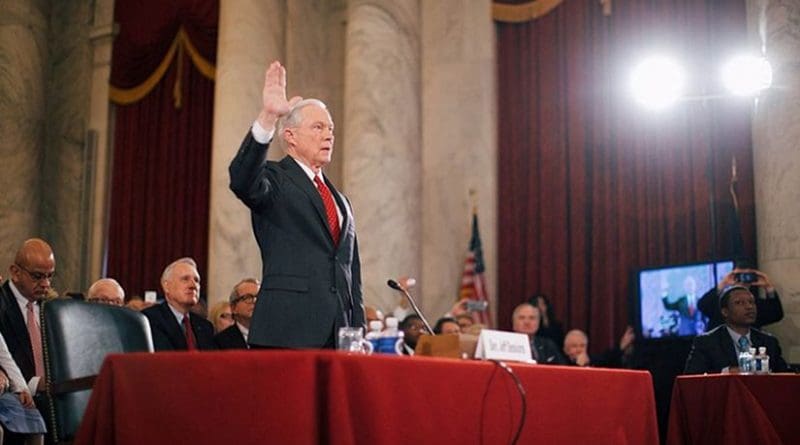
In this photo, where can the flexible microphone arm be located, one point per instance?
(396, 286)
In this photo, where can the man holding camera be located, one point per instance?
(768, 303)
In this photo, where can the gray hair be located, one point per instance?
(235, 292)
(293, 118)
(93, 288)
(168, 270)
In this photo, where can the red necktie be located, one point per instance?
(36, 340)
(191, 344)
(330, 208)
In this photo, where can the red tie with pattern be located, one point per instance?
(191, 344)
(330, 208)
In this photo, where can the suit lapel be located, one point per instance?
(173, 329)
(727, 345)
(17, 322)
(300, 179)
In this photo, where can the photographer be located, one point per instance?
(768, 303)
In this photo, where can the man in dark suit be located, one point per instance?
(718, 349)
(173, 325)
(243, 302)
(303, 225)
(768, 303)
(690, 318)
(576, 350)
(29, 284)
(526, 319)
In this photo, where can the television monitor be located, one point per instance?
(667, 298)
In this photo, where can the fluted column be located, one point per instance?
(381, 150)
(23, 52)
(459, 145)
(776, 130)
(251, 34)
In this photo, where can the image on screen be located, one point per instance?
(668, 298)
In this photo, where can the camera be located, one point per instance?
(477, 305)
(745, 277)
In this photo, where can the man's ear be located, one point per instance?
(724, 311)
(288, 136)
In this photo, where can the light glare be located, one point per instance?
(657, 82)
(747, 75)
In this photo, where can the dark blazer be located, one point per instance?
(168, 333)
(230, 338)
(310, 287)
(15, 332)
(546, 352)
(713, 351)
(768, 310)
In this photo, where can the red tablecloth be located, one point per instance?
(735, 409)
(321, 397)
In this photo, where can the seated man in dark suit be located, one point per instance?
(718, 350)
(174, 327)
(243, 302)
(525, 320)
(576, 350)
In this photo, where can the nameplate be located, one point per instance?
(502, 345)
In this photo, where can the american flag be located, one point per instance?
(473, 281)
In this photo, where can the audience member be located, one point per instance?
(200, 309)
(173, 325)
(412, 327)
(221, 316)
(446, 325)
(767, 300)
(576, 349)
(242, 302)
(718, 350)
(549, 327)
(465, 321)
(106, 291)
(525, 320)
(16, 404)
(29, 283)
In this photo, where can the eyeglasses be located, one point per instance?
(246, 298)
(226, 316)
(38, 276)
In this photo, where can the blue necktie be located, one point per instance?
(744, 344)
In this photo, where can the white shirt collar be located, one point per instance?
(245, 331)
(178, 314)
(735, 336)
(22, 301)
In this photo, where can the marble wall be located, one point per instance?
(775, 24)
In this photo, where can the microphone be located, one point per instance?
(396, 286)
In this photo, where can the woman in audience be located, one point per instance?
(549, 326)
(446, 325)
(221, 316)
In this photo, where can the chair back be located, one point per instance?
(76, 337)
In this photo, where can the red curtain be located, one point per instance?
(592, 186)
(162, 153)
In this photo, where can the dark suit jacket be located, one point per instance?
(15, 332)
(168, 333)
(546, 352)
(713, 351)
(230, 338)
(768, 310)
(310, 286)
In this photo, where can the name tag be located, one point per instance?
(502, 345)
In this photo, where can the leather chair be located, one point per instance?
(76, 337)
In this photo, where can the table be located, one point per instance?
(316, 397)
(735, 409)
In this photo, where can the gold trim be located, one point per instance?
(524, 12)
(127, 96)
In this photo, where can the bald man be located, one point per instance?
(576, 349)
(29, 282)
(106, 291)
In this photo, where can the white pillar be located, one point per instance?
(251, 34)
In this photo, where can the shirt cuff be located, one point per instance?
(33, 384)
(261, 135)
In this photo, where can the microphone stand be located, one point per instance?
(396, 286)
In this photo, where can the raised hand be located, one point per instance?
(273, 97)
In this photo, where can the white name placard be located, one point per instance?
(502, 345)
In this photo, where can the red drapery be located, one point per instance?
(594, 187)
(162, 152)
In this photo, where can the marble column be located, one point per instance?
(776, 130)
(381, 150)
(251, 34)
(23, 68)
(459, 145)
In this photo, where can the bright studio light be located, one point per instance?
(747, 75)
(657, 82)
